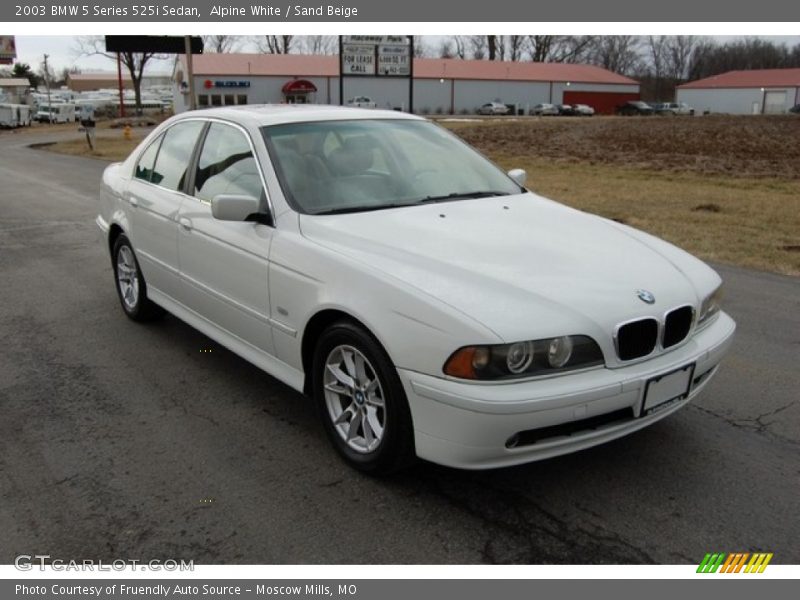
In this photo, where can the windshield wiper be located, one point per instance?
(354, 209)
(463, 195)
(453, 196)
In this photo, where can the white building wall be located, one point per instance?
(738, 101)
(433, 96)
(262, 90)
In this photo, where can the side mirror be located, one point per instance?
(233, 207)
(518, 175)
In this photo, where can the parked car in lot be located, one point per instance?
(493, 108)
(361, 102)
(545, 110)
(673, 108)
(583, 110)
(429, 303)
(634, 107)
(566, 110)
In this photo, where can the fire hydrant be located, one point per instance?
(127, 132)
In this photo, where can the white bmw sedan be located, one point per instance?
(429, 303)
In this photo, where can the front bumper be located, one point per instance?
(468, 425)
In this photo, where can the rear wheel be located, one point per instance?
(361, 400)
(131, 286)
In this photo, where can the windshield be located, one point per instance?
(329, 167)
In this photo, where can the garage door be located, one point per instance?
(603, 103)
(774, 102)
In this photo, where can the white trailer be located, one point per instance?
(8, 118)
(23, 115)
(14, 115)
(57, 112)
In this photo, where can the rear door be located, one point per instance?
(224, 264)
(774, 101)
(155, 195)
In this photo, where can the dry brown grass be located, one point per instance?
(735, 146)
(107, 147)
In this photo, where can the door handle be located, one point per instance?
(185, 223)
(134, 201)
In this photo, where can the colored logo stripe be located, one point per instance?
(734, 562)
(758, 563)
(711, 562)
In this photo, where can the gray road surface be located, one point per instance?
(125, 441)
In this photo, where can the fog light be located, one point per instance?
(559, 351)
(519, 357)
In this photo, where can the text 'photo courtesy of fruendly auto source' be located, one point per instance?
(317, 297)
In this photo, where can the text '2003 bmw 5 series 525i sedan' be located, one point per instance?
(429, 303)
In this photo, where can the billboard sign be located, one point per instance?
(358, 59)
(394, 60)
(8, 49)
(376, 55)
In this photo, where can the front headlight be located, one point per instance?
(524, 359)
(710, 306)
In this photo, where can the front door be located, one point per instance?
(224, 263)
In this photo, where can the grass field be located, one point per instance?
(724, 188)
(110, 145)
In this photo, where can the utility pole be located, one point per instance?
(120, 86)
(47, 83)
(190, 72)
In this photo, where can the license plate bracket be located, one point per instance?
(667, 388)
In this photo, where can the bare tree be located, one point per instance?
(461, 44)
(571, 48)
(657, 53)
(446, 49)
(420, 47)
(678, 51)
(221, 43)
(541, 47)
(516, 45)
(319, 44)
(477, 47)
(495, 47)
(134, 62)
(275, 44)
(618, 53)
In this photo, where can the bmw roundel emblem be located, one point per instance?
(646, 296)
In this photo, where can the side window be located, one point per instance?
(172, 163)
(226, 165)
(144, 168)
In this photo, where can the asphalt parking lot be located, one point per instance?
(136, 442)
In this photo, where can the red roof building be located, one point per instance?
(441, 86)
(748, 79)
(756, 91)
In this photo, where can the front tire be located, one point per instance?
(361, 400)
(130, 283)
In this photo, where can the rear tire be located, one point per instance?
(361, 400)
(130, 283)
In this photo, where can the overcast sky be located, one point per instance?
(64, 52)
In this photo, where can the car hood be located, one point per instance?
(520, 265)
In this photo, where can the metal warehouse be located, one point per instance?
(440, 86)
(765, 91)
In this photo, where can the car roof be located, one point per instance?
(259, 115)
